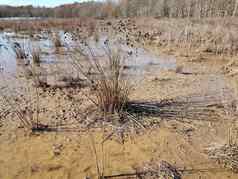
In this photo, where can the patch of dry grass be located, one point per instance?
(111, 90)
(212, 35)
(36, 55)
(57, 41)
(19, 51)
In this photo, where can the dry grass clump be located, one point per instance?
(91, 28)
(111, 90)
(57, 41)
(96, 36)
(19, 51)
(36, 55)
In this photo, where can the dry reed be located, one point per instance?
(57, 41)
(111, 89)
(19, 51)
(36, 55)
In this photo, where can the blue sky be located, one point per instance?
(50, 3)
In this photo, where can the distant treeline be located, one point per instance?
(129, 8)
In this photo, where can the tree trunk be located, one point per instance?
(236, 6)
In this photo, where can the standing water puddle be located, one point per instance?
(8, 60)
(137, 61)
(136, 58)
(210, 89)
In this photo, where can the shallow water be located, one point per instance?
(135, 58)
(8, 58)
(20, 18)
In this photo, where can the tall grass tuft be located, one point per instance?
(36, 55)
(111, 89)
(57, 41)
(19, 51)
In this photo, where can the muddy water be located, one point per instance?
(8, 61)
(137, 58)
(138, 62)
(8, 58)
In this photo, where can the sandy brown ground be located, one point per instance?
(182, 144)
(71, 155)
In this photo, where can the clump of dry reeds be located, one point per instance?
(19, 51)
(96, 36)
(91, 28)
(36, 55)
(57, 41)
(111, 90)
